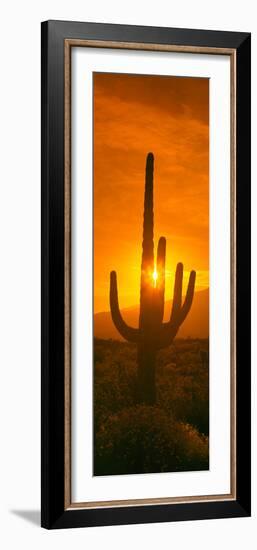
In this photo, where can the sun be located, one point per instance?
(155, 277)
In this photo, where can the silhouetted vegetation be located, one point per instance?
(152, 334)
(172, 434)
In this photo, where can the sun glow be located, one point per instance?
(155, 277)
(169, 116)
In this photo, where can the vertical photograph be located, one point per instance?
(150, 274)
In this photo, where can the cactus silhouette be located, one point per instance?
(152, 333)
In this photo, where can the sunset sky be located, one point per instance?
(169, 116)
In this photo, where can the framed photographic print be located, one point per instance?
(145, 274)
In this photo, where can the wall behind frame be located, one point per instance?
(20, 274)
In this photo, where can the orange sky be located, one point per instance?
(135, 114)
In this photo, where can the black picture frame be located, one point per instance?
(54, 514)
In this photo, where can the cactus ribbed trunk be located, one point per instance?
(146, 385)
(147, 264)
(152, 334)
(146, 354)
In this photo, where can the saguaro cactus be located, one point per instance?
(152, 333)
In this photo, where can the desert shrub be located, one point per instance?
(143, 439)
(195, 446)
(182, 381)
(184, 392)
(99, 354)
(114, 388)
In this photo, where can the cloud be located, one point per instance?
(134, 115)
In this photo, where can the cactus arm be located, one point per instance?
(177, 295)
(161, 253)
(179, 311)
(189, 297)
(169, 330)
(160, 283)
(129, 333)
(166, 335)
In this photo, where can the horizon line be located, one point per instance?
(137, 305)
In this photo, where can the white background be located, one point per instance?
(20, 274)
(86, 487)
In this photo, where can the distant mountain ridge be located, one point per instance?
(196, 324)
